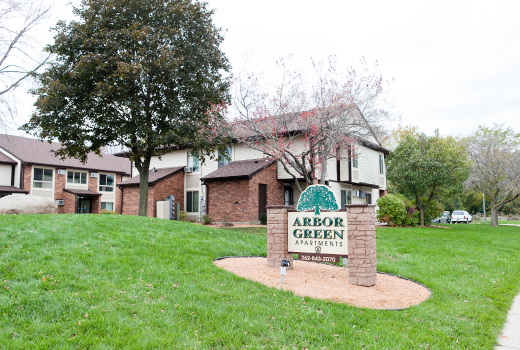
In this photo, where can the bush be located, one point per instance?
(263, 219)
(412, 214)
(392, 210)
(104, 211)
(226, 221)
(182, 216)
(433, 211)
(206, 219)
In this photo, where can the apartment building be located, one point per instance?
(28, 166)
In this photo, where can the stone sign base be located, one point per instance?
(361, 231)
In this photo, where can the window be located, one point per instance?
(192, 201)
(288, 196)
(381, 164)
(42, 178)
(76, 177)
(106, 183)
(107, 205)
(193, 161)
(368, 198)
(346, 198)
(355, 158)
(224, 157)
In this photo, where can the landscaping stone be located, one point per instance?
(29, 204)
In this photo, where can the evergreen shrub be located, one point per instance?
(392, 210)
(263, 219)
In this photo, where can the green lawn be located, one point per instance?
(112, 282)
(499, 222)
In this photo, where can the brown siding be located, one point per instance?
(173, 185)
(223, 196)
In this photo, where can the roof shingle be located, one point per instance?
(34, 151)
(238, 169)
(4, 159)
(153, 176)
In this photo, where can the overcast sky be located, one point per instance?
(455, 63)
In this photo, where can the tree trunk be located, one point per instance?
(484, 205)
(323, 171)
(421, 216)
(494, 215)
(143, 187)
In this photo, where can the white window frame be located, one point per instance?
(108, 202)
(381, 164)
(190, 162)
(51, 182)
(225, 161)
(198, 201)
(74, 176)
(355, 157)
(347, 191)
(99, 183)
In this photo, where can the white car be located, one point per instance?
(461, 216)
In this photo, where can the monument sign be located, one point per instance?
(320, 236)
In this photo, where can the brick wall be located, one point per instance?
(173, 185)
(59, 185)
(232, 199)
(224, 195)
(70, 204)
(117, 204)
(27, 176)
(131, 201)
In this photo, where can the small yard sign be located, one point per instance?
(319, 236)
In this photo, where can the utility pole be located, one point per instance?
(484, 205)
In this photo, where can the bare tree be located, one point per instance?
(303, 125)
(495, 153)
(20, 58)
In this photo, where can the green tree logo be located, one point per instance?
(317, 197)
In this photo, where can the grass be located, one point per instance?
(114, 282)
(499, 222)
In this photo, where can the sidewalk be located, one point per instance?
(509, 338)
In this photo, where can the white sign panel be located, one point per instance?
(318, 234)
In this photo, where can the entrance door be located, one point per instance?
(262, 199)
(83, 205)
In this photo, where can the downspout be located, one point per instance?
(22, 179)
(121, 205)
(207, 196)
(349, 164)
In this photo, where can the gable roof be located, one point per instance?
(290, 126)
(4, 159)
(33, 151)
(238, 169)
(153, 177)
